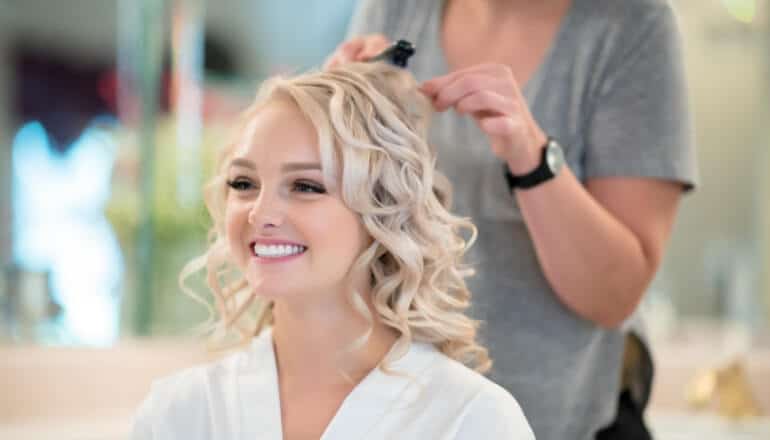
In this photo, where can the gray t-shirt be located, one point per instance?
(611, 90)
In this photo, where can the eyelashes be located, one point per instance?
(240, 184)
(305, 186)
(301, 186)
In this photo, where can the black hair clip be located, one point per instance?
(397, 54)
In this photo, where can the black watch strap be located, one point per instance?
(540, 174)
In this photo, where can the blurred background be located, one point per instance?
(110, 112)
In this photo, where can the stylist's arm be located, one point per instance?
(600, 244)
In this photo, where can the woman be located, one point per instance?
(329, 207)
(570, 148)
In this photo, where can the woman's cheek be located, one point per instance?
(233, 237)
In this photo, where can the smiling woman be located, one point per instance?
(349, 285)
(280, 220)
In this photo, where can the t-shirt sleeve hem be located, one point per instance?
(659, 171)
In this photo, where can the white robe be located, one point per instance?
(237, 398)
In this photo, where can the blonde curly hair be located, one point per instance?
(372, 126)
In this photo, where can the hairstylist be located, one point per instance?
(570, 147)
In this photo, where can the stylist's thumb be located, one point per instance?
(357, 49)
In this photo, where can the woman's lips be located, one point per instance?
(276, 251)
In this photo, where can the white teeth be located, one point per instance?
(276, 251)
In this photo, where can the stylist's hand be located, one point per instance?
(490, 94)
(358, 49)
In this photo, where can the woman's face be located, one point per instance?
(289, 234)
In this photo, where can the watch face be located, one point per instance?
(555, 157)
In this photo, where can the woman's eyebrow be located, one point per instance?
(287, 167)
(300, 166)
(245, 163)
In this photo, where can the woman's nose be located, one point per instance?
(265, 212)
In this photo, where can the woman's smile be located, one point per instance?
(275, 251)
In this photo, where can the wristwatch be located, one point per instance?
(551, 163)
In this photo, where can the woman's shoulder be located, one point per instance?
(186, 389)
(486, 407)
(190, 399)
(196, 379)
(450, 375)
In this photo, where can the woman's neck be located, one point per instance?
(313, 344)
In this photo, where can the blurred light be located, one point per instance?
(187, 56)
(741, 10)
(60, 228)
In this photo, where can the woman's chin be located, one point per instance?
(270, 288)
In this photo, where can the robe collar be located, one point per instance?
(378, 395)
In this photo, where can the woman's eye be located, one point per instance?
(240, 184)
(309, 187)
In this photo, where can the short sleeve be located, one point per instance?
(494, 414)
(641, 125)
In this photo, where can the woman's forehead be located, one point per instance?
(279, 131)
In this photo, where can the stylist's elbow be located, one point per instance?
(626, 289)
(645, 210)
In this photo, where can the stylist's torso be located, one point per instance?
(606, 82)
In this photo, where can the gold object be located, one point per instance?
(701, 389)
(729, 388)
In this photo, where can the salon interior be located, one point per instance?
(103, 102)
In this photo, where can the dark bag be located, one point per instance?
(636, 386)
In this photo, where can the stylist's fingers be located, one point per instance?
(485, 102)
(497, 115)
(506, 132)
(501, 71)
(459, 87)
(357, 49)
(490, 95)
(373, 46)
(345, 52)
(505, 122)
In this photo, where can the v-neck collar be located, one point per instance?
(361, 411)
(530, 88)
(260, 404)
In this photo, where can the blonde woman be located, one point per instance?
(350, 292)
